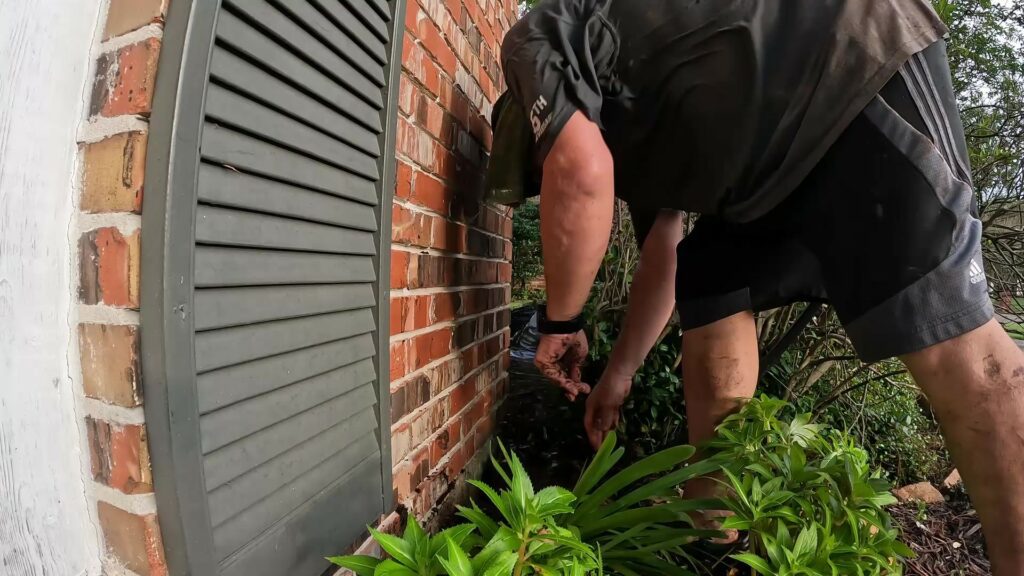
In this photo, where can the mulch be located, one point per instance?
(946, 538)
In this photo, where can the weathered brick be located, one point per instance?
(134, 541)
(126, 15)
(423, 29)
(398, 360)
(120, 456)
(113, 174)
(431, 193)
(124, 80)
(109, 268)
(399, 269)
(403, 180)
(110, 363)
(419, 66)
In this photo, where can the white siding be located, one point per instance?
(46, 527)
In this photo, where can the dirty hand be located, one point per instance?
(604, 404)
(560, 358)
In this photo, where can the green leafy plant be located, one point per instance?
(805, 494)
(628, 521)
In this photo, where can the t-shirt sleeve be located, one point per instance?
(554, 59)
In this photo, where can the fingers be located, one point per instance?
(600, 419)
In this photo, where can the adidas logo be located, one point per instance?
(977, 273)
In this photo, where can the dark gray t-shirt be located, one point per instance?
(712, 106)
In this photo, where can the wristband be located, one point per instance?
(553, 327)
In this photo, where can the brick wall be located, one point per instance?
(113, 143)
(450, 267)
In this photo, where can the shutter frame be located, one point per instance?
(172, 406)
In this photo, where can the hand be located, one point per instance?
(560, 358)
(604, 404)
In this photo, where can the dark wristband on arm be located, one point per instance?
(553, 327)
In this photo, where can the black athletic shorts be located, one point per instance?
(884, 228)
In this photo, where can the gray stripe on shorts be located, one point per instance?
(956, 284)
(918, 77)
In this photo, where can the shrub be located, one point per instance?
(806, 495)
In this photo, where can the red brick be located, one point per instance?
(420, 66)
(399, 269)
(439, 447)
(421, 148)
(444, 306)
(431, 193)
(422, 28)
(398, 360)
(113, 173)
(109, 357)
(421, 311)
(124, 80)
(127, 15)
(407, 92)
(120, 456)
(432, 118)
(504, 272)
(109, 263)
(403, 180)
(462, 395)
(133, 540)
(397, 320)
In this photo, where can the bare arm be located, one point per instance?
(576, 203)
(651, 299)
(651, 296)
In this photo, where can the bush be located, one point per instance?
(527, 263)
(804, 494)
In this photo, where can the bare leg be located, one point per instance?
(975, 384)
(720, 364)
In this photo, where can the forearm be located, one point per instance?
(577, 200)
(651, 298)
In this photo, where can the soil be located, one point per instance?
(946, 537)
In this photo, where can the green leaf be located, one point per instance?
(502, 564)
(495, 499)
(392, 568)
(361, 565)
(605, 459)
(521, 487)
(755, 562)
(806, 543)
(418, 541)
(654, 464)
(397, 548)
(553, 500)
(457, 534)
(457, 563)
(483, 522)
(504, 540)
